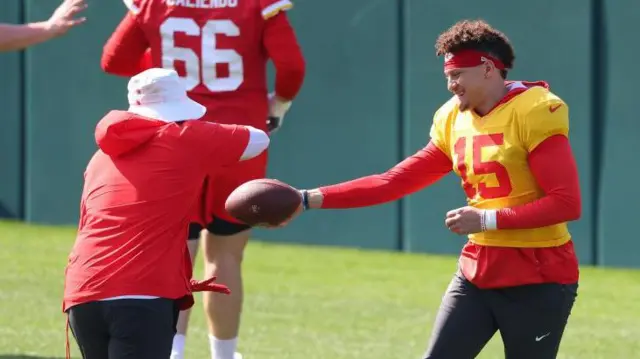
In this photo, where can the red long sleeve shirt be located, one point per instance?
(554, 168)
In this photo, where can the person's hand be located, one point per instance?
(64, 17)
(274, 123)
(465, 220)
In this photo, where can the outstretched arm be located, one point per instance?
(422, 169)
(18, 37)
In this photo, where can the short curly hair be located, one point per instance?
(477, 35)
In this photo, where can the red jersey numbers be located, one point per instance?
(474, 186)
(202, 69)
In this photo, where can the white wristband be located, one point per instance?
(490, 219)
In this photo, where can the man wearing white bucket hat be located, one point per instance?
(221, 50)
(129, 272)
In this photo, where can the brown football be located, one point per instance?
(263, 202)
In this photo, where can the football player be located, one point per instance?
(220, 48)
(508, 142)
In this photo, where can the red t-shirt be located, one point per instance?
(220, 52)
(140, 190)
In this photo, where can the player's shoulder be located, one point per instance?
(538, 98)
(541, 111)
(271, 8)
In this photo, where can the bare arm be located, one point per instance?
(18, 37)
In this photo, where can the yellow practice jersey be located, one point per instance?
(490, 152)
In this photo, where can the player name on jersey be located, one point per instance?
(203, 4)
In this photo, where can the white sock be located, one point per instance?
(177, 350)
(222, 349)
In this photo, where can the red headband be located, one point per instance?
(469, 58)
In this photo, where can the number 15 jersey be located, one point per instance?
(216, 46)
(490, 153)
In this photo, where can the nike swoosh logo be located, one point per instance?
(553, 108)
(542, 337)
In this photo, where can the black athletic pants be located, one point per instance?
(125, 328)
(531, 320)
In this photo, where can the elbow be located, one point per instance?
(572, 210)
(297, 69)
(107, 64)
(289, 83)
(289, 78)
(112, 65)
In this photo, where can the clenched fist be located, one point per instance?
(465, 220)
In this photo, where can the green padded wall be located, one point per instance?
(345, 122)
(11, 92)
(552, 42)
(67, 94)
(618, 211)
(373, 84)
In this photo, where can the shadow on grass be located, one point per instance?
(20, 356)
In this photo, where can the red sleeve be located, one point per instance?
(422, 169)
(283, 49)
(554, 168)
(126, 52)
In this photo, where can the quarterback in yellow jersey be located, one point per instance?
(508, 143)
(496, 146)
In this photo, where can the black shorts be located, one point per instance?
(124, 328)
(531, 320)
(217, 226)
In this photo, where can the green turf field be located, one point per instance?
(308, 302)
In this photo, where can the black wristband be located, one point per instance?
(305, 199)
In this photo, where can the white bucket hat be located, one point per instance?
(160, 94)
